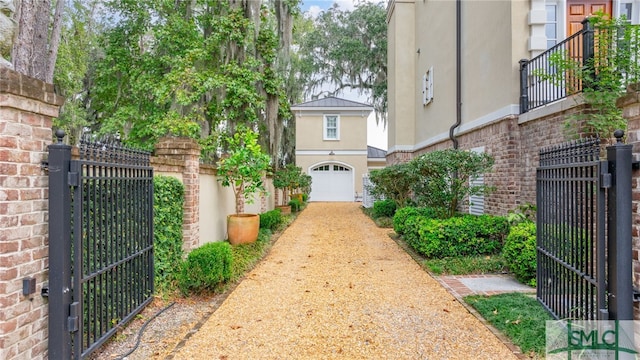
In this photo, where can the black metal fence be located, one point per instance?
(571, 263)
(539, 82)
(101, 240)
(584, 231)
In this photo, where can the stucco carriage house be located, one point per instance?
(331, 146)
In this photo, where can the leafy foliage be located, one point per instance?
(245, 256)
(402, 216)
(290, 179)
(206, 268)
(348, 50)
(271, 220)
(444, 177)
(604, 77)
(520, 252)
(384, 208)
(466, 235)
(245, 165)
(168, 193)
(295, 204)
(393, 182)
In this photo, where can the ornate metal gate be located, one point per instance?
(101, 243)
(584, 231)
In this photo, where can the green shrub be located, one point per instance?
(295, 204)
(520, 252)
(404, 213)
(206, 268)
(466, 235)
(168, 200)
(305, 197)
(384, 208)
(271, 219)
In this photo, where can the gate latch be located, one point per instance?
(605, 180)
(73, 321)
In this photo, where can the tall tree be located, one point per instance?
(35, 48)
(348, 50)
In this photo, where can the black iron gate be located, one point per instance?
(584, 231)
(101, 243)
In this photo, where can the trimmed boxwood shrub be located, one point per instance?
(466, 235)
(402, 215)
(519, 252)
(271, 219)
(168, 200)
(295, 204)
(206, 268)
(384, 208)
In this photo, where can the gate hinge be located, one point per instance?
(605, 180)
(73, 321)
(74, 179)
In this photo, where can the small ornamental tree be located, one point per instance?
(285, 179)
(444, 177)
(244, 166)
(394, 183)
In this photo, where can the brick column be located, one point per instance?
(187, 151)
(630, 105)
(27, 107)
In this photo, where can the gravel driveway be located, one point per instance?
(335, 286)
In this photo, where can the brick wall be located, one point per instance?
(27, 107)
(182, 155)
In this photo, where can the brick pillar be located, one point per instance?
(187, 151)
(27, 107)
(630, 105)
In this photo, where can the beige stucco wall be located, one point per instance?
(494, 39)
(216, 202)
(401, 56)
(357, 162)
(353, 130)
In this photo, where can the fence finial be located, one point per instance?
(618, 134)
(60, 134)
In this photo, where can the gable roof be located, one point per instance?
(332, 103)
(375, 153)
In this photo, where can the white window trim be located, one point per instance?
(324, 127)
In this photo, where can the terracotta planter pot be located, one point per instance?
(243, 228)
(284, 209)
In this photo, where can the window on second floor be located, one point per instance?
(331, 127)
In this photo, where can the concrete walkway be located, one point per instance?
(335, 286)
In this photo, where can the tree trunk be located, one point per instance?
(54, 42)
(34, 51)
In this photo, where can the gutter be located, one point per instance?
(458, 75)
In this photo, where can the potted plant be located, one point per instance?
(282, 180)
(242, 169)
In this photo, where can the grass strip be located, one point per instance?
(518, 316)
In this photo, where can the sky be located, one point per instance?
(376, 134)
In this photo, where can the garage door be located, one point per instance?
(331, 182)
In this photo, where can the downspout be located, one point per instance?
(458, 76)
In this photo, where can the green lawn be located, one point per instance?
(519, 316)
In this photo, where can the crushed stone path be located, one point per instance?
(335, 286)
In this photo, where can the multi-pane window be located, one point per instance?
(331, 127)
(321, 168)
(340, 168)
(551, 27)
